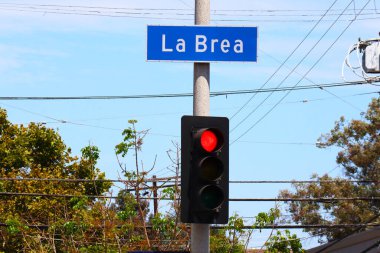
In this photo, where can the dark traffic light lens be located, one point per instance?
(211, 168)
(211, 197)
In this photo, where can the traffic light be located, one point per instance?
(204, 169)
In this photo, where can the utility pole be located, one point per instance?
(200, 233)
(155, 197)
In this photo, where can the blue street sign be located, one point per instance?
(202, 43)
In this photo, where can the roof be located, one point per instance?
(367, 241)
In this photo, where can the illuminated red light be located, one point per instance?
(209, 141)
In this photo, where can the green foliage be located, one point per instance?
(359, 157)
(163, 226)
(230, 239)
(14, 226)
(70, 227)
(264, 219)
(359, 142)
(78, 203)
(85, 224)
(35, 151)
(284, 243)
(128, 142)
(90, 153)
(168, 193)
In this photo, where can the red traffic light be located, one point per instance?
(209, 140)
(204, 169)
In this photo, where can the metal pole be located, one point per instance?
(200, 233)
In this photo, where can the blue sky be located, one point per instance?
(63, 51)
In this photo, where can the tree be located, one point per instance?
(70, 216)
(359, 157)
(284, 243)
(35, 151)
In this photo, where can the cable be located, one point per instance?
(184, 3)
(322, 200)
(308, 79)
(291, 72)
(167, 179)
(312, 67)
(142, 15)
(283, 63)
(178, 95)
(122, 10)
(181, 113)
(62, 121)
(299, 181)
(274, 226)
(162, 179)
(177, 9)
(302, 226)
(355, 231)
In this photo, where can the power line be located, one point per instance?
(312, 67)
(308, 79)
(274, 226)
(184, 3)
(343, 100)
(291, 72)
(175, 113)
(163, 179)
(176, 9)
(123, 10)
(62, 121)
(167, 179)
(290, 226)
(300, 181)
(355, 231)
(322, 200)
(283, 63)
(159, 16)
(178, 95)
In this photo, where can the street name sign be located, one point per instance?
(202, 43)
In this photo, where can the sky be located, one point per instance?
(98, 48)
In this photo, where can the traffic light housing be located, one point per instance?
(204, 169)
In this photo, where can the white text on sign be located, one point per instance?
(202, 44)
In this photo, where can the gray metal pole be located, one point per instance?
(200, 233)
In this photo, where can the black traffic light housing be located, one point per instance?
(204, 169)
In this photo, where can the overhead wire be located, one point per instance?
(322, 88)
(273, 226)
(184, 3)
(283, 63)
(310, 69)
(343, 100)
(293, 69)
(116, 13)
(371, 219)
(176, 9)
(215, 12)
(322, 200)
(167, 179)
(178, 95)
(303, 101)
(71, 122)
